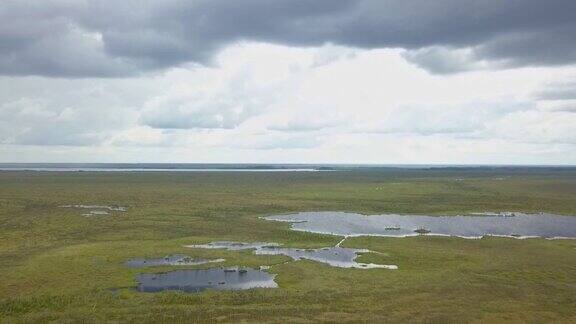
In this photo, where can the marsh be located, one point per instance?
(79, 260)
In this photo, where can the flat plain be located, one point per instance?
(58, 265)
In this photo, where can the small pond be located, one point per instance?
(334, 256)
(201, 279)
(97, 210)
(508, 224)
(169, 260)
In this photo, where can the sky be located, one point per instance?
(288, 81)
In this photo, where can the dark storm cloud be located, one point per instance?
(118, 38)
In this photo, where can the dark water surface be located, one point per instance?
(202, 279)
(518, 225)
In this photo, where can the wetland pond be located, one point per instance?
(97, 210)
(198, 280)
(335, 256)
(169, 260)
(518, 225)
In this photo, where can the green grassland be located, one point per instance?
(57, 265)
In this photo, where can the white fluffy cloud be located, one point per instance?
(271, 103)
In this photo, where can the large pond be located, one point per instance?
(517, 225)
(202, 279)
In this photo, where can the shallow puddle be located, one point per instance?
(233, 246)
(98, 210)
(334, 256)
(509, 224)
(96, 213)
(169, 260)
(202, 279)
(111, 208)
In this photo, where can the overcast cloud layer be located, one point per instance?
(351, 81)
(118, 38)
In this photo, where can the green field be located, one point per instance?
(57, 265)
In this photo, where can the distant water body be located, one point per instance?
(154, 170)
(253, 167)
(158, 167)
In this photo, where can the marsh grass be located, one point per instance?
(57, 265)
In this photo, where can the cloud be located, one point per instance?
(249, 80)
(39, 122)
(535, 126)
(64, 38)
(267, 103)
(301, 124)
(62, 112)
(313, 119)
(569, 107)
(442, 60)
(460, 120)
(558, 91)
(555, 44)
(273, 141)
(186, 113)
